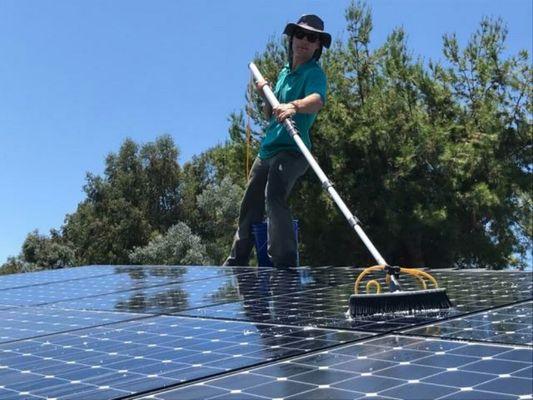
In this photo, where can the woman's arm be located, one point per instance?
(308, 105)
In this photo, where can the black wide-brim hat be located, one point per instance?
(312, 23)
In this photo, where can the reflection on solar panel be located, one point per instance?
(103, 332)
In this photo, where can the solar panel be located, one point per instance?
(27, 322)
(104, 332)
(117, 280)
(391, 367)
(512, 324)
(326, 306)
(56, 275)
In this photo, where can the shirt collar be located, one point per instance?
(301, 67)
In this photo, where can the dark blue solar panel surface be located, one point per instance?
(391, 367)
(118, 280)
(28, 322)
(54, 275)
(109, 332)
(327, 305)
(512, 324)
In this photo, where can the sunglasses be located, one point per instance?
(311, 37)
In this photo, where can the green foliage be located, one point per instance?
(15, 265)
(434, 158)
(139, 195)
(212, 188)
(41, 252)
(160, 164)
(219, 206)
(46, 252)
(178, 246)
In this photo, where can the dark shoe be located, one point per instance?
(232, 262)
(288, 263)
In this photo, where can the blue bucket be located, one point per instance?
(260, 232)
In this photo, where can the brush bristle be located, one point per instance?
(401, 301)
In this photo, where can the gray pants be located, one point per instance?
(274, 179)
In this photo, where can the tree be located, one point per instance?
(219, 208)
(163, 173)
(41, 252)
(212, 188)
(178, 246)
(46, 252)
(137, 198)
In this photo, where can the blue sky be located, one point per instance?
(79, 76)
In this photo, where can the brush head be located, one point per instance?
(400, 301)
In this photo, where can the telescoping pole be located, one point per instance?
(326, 183)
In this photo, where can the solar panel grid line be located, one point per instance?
(231, 372)
(52, 282)
(461, 341)
(242, 276)
(40, 277)
(73, 327)
(332, 370)
(379, 376)
(471, 315)
(67, 345)
(201, 379)
(53, 384)
(327, 392)
(86, 287)
(389, 324)
(65, 309)
(511, 324)
(95, 306)
(193, 307)
(300, 292)
(76, 271)
(37, 282)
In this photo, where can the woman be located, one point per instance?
(301, 91)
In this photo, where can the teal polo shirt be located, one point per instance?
(307, 79)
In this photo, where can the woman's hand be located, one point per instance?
(259, 86)
(284, 111)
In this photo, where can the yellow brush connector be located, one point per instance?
(423, 278)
